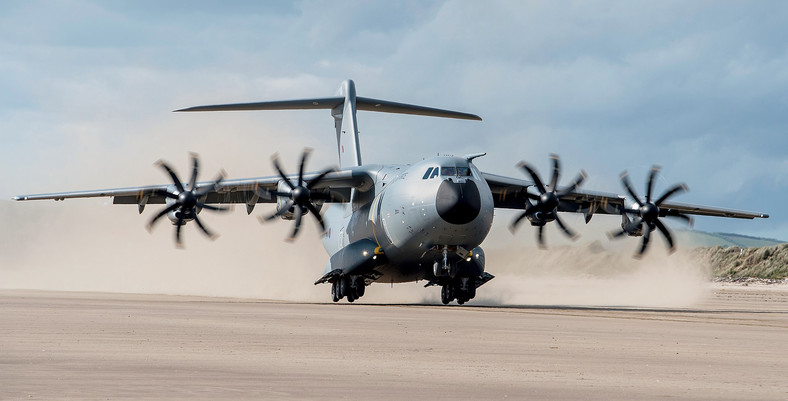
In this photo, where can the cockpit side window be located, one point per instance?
(427, 174)
(463, 172)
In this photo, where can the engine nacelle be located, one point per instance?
(174, 214)
(539, 219)
(631, 229)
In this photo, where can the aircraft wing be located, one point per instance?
(509, 193)
(244, 190)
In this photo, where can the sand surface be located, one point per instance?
(60, 345)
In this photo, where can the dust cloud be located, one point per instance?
(92, 245)
(593, 271)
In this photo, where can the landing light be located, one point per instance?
(365, 253)
(468, 259)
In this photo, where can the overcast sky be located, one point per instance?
(700, 88)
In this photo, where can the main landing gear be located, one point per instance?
(350, 287)
(463, 289)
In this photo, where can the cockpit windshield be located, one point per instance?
(455, 171)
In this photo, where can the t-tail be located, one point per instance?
(343, 108)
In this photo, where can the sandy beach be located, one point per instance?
(64, 345)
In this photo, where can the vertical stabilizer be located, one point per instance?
(347, 127)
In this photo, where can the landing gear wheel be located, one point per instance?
(335, 291)
(361, 288)
(342, 287)
(445, 295)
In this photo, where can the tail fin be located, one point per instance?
(343, 108)
(347, 128)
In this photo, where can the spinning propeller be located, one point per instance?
(545, 206)
(300, 198)
(648, 212)
(187, 203)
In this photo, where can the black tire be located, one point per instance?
(445, 295)
(334, 291)
(342, 287)
(471, 289)
(361, 288)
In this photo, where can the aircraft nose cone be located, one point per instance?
(458, 203)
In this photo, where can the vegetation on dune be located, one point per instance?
(768, 262)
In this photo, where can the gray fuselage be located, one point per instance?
(412, 213)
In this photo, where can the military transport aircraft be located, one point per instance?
(401, 223)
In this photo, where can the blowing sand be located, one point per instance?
(60, 345)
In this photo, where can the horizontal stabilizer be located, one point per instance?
(321, 103)
(362, 103)
(384, 106)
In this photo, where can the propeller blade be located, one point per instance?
(664, 230)
(319, 178)
(513, 225)
(304, 157)
(215, 184)
(628, 187)
(646, 236)
(278, 213)
(540, 237)
(161, 192)
(618, 234)
(535, 177)
(556, 171)
(160, 214)
(316, 213)
(212, 207)
(175, 179)
(178, 225)
(650, 184)
(210, 235)
(275, 160)
(676, 189)
(297, 226)
(687, 219)
(571, 234)
(576, 183)
(195, 171)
